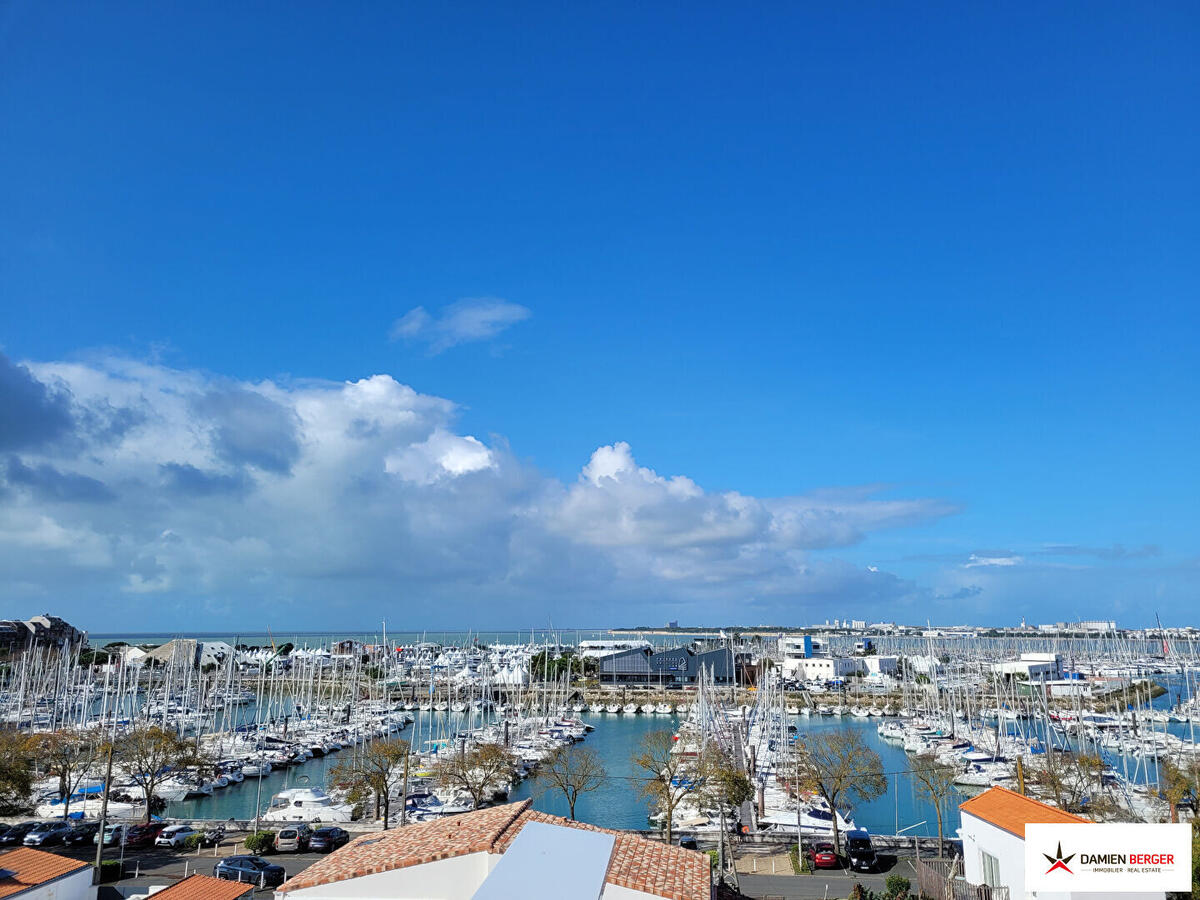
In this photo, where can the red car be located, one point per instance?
(143, 835)
(822, 856)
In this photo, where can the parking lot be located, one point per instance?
(158, 865)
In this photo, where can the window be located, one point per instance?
(991, 869)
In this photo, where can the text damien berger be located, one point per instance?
(1127, 859)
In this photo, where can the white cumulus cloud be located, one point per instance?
(153, 489)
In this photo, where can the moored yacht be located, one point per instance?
(306, 805)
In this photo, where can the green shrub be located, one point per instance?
(192, 841)
(111, 870)
(799, 862)
(896, 884)
(713, 858)
(260, 842)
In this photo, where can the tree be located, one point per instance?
(934, 780)
(727, 788)
(149, 755)
(837, 765)
(670, 776)
(727, 785)
(573, 772)
(69, 755)
(381, 766)
(1177, 783)
(93, 657)
(548, 665)
(1075, 782)
(16, 776)
(480, 771)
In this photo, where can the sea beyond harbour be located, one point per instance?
(396, 638)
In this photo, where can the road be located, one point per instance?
(806, 887)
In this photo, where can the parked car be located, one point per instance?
(293, 838)
(328, 839)
(174, 836)
(860, 851)
(113, 835)
(143, 835)
(823, 856)
(251, 869)
(16, 834)
(46, 834)
(83, 833)
(688, 843)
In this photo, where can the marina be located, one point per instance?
(276, 721)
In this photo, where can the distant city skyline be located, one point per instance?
(481, 317)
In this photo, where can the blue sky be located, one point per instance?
(933, 256)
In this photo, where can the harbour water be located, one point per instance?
(614, 740)
(617, 804)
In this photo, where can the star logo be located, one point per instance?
(1058, 861)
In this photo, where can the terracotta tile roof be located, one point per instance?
(412, 845)
(636, 863)
(1012, 811)
(31, 867)
(205, 887)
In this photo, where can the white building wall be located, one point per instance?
(926, 665)
(76, 886)
(445, 879)
(980, 836)
(881, 665)
(826, 667)
(615, 892)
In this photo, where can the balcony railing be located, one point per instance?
(940, 880)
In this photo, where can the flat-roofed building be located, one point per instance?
(677, 667)
(1031, 667)
(600, 649)
(829, 668)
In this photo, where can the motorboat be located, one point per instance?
(306, 805)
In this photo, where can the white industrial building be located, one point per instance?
(1031, 667)
(881, 665)
(601, 649)
(925, 665)
(828, 668)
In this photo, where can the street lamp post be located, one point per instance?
(916, 840)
